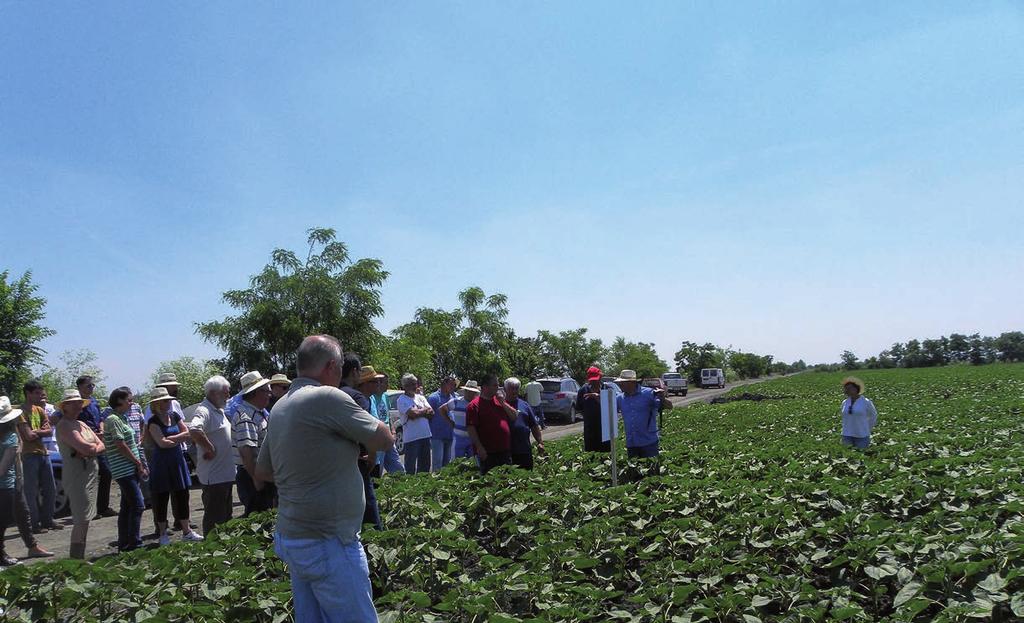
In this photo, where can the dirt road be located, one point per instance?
(560, 430)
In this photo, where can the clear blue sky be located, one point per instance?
(794, 178)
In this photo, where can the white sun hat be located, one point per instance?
(627, 376)
(7, 412)
(251, 381)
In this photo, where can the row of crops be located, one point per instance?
(755, 513)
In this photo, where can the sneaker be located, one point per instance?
(54, 526)
(7, 561)
(165, 540)
(191, 536)
(38, 552)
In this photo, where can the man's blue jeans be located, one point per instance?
(440, 453)
(417, 456)
(649, 451)
(129, 520)
(39, 482)
(330, 580)
(860, 443)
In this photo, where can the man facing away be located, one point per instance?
(310, 452)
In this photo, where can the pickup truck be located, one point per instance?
(675, 383)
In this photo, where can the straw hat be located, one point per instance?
(71, 395)
(167, 379)
(627, 376)
(367, 374)
(251, 381)
(160, 393)
(852, 379)
(471, 386)
(280, 379)
(7, 412)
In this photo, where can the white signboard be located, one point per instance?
(609, 415)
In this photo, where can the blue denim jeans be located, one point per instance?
(440, 453)
(643, 452)
(129, 520)
(390, 462)
(417, 456)
(861, 443)
(39, 484)
(330, 580)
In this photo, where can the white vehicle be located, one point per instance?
(675, 383)
(712, 377)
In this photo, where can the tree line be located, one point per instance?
(957, 348)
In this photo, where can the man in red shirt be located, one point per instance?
(488, 422)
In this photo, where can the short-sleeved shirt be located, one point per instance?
(92, 416)
(116, 428)
(457, 412)
(34, 417)
(212, 421)
(8, 478)
(440, 427)
(862, 420)
(413, 429)
(640, 416)
(311, 447)
(522, 428)
(491, 422)
(249, 428)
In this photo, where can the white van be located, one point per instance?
(712, 377)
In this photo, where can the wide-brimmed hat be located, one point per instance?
(852, 379)
(160, 393)
(167, 379)
(280, 379)
(471, 386)
(593, 374)
(627, 376)
(251, 381)
(367, 374)
(71, 395)
(7, 412)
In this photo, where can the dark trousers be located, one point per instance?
(643, 452)
(417, 456)
(179, 505)
(254, 501)
(524, 460)
(129, 519)
(103, 488)
(371, 514)
(14, 509)
(495, 459)
(216, 505)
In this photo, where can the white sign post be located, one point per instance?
(610, 426)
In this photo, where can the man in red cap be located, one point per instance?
(588, 400)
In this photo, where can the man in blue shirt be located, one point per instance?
(639, 407)
(441, 426)
(526, 423)
(94, 419)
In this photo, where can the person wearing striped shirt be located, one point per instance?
(248, 430)
(126, 468)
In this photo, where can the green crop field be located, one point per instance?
(758, 514)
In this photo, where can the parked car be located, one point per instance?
(558, 397)
(675, 383)
(654, 383)
(712, 377)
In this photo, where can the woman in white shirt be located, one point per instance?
(858, 413)
(416, 413)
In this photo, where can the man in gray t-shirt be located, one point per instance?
(310, 452)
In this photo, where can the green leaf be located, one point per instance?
(908, 592)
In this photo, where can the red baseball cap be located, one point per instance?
(593, 373)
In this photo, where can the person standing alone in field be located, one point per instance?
(858, 413)
(210, 429)
(310, 452)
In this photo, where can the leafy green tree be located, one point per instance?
(426, 345)
(691, 358)
(192, 373)
(749, 365)
(397, 355)
(981, 350)
(958, 348)
(913, 355)
(897, 352)
(21, 330)
(849, 360)
(74, 364)
(525, 357)
(481, 342)
(934, 352)
(1010, 346)
(292, 298)
(570, 352)
(640, 356)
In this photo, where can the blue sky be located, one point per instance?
(794, 178)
